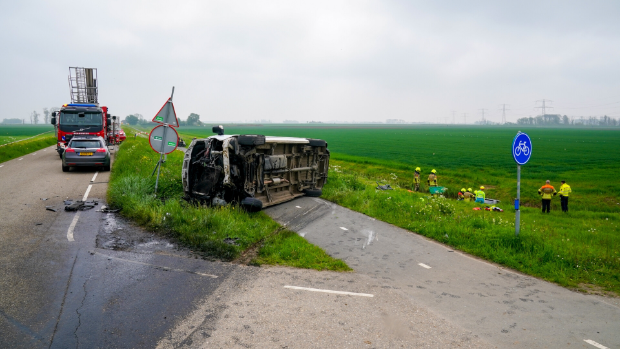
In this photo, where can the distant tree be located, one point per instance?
(34, 117)
(565, 120)
(132, 119)
(193, 120)
(182, 122)
(46, 116)
(12, 121)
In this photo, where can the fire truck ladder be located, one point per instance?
(83, 85)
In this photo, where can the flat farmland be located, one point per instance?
(12, 133)
(579, 249)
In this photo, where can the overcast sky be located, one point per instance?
(316, 60)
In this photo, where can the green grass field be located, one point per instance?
(12, 133)
(19, 140)
(580, 249)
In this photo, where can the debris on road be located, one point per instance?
(80, 205)
(51, 208)
(107, 209)
(43, 199)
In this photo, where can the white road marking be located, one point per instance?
(72, 226)
(95, 176)
(298, 206)
(1, 165)
(157, 266)
(87, 191)
(424, 265)
(21, 159)
(34, 154)
(77, 215)
(343, 228)
(329, 291)
(600, 346)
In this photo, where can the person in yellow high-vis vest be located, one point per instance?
(480, 195)
(416, 179)
(547, 191)
(564, 191)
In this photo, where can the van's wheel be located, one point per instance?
(317, 142)
(313, 193)
(65, 169)
(251, 204)
(251, 139)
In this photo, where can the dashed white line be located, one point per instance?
(77, 215)
(343, 228)
(87, 191)
(424, 265)
(329, 291)
(95, 176)
(72, 226)
(157, 266)
(600, 346)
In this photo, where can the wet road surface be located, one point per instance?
(114, 285)
(505, 308)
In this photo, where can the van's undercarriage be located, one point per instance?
(254, 170)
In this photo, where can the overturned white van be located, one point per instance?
(254, 171)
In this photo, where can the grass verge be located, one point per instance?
(205, 229)
(575, 249)
(15, 150)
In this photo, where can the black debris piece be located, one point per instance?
(39, 224)
(80, 206)
(68, 202)
(384, 187)
(107, 209)
(51, 208)
(231, 241)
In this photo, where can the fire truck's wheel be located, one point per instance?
(313, 193)
(252, 204)
(317, 142)
(65, 169)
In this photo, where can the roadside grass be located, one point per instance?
(574, 249)
(205, 229)
(16, 150)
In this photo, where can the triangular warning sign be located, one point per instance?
(167, 115)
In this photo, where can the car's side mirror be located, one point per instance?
(219, 130)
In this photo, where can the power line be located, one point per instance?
(543, 107)
(482, 111)
(503, 109)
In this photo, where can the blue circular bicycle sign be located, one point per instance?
(521, 148)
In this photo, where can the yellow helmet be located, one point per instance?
(417, 169)
(482, 187)
(463, 190)
(433, 171)
(469, 190)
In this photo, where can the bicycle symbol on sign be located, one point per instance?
(522, 148)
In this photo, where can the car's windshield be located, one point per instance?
(81, 118)
(85, 144)
(71, 121)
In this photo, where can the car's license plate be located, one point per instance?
(85, 154)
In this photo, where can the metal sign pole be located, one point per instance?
(518, 203)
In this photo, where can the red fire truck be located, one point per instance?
(83, 116)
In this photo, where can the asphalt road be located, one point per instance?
(112, 286)
(503, 307)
